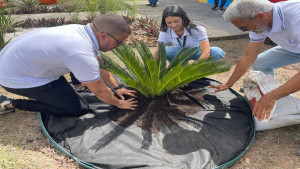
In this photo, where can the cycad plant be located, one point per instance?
(156, 78)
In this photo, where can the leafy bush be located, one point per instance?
(117, 5)
(29, 3)
(151, 26)
(102, 6)
(153, 78)
(6, 24)
(49, 22)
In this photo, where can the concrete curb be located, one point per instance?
(230, 37)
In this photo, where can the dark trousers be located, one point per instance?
(57, 98)
(74, 80)
(222, 3)
(152, 2)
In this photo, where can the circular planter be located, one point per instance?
(189, 127)
(48, 1)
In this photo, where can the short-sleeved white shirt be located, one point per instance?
(192, 40)
(286, 26)
(41, 56)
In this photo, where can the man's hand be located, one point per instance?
(220, 87)
(263, 107)
(127, 104)
(123, 91)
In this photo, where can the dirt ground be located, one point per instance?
(22, 142)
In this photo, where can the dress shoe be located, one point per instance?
(221, 9)
(214, 8)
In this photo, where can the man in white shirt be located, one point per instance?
(33, 65)
(281, 23)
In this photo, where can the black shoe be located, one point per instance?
(153, 5)
(4, 101)
(221, 9)
(214, 8)
(149, 5)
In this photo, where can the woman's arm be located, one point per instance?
(205, 49)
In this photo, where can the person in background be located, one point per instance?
(221, 7)
(152, 3)
(37, 70)
(177, 29)
(278, 21)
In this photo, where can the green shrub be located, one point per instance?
(30, 4)
(153, 78)
(6, 24)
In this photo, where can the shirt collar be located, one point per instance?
(173, 34)
(278, 19)
(91, 34)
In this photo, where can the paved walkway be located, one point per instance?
(215, 25)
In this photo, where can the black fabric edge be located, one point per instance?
(57, 146)
(91, 166)
(233, 161)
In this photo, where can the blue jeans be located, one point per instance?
(215, 52)
(153, 2)
(273, 58)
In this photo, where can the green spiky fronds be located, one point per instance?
(154, 78)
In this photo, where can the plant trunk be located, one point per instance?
(163, 111)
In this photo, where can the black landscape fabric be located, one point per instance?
(190, 127)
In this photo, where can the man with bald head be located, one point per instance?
(281, 23)
(33, 65)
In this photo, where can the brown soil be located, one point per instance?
(154, 114)
(21, 136)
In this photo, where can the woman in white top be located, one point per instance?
(177, 29)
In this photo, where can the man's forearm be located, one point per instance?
(107, 97)
(108, 78)
(291, 86)
(242, 67)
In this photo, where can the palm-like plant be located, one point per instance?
(155, 78)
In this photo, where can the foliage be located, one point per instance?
(74, 7)
(93, 7)
(49, 22)
(59, 9)
(37, 9)
(151, 26)
(155, 78)
(117, 5)
(6, 24)
(102, 6)
(30, 4)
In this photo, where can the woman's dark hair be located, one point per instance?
(174, 11)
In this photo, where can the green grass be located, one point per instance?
(11, 158)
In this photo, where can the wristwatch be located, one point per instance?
(118, 87)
